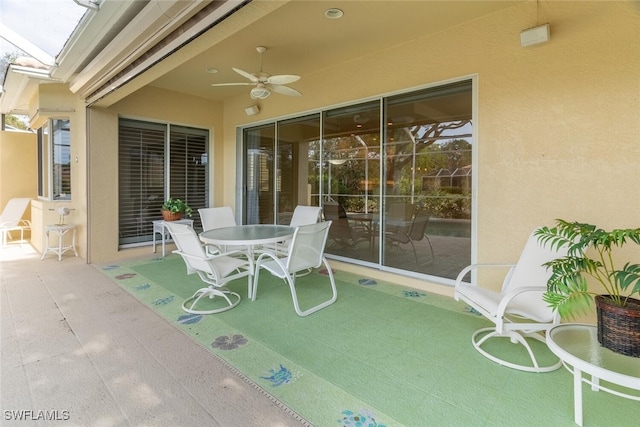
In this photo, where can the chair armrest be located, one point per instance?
(507, 297)
(479, 266)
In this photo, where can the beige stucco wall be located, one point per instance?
(150, 104)
(557, 128)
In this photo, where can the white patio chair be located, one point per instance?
(518, 310)
(215, 270)
(219, 217)
(306, 251)
(11, 219)
(302, 215)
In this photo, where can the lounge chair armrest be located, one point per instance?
(510, 295)
(471, 267)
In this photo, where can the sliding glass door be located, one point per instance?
(394, 175)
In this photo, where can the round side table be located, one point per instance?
(61, 247)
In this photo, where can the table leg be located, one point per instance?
(60, 238)
(154, 239)
(46, 245)
(577, 395)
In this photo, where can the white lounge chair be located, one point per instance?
(518, 310)
(11, 219)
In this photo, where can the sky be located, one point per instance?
(45, 23)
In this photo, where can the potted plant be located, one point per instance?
(174, 209)
(590, 256)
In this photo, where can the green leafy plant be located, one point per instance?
(177, 205)
(568, 288)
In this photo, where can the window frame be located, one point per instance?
(50, 181)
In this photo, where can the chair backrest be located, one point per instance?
(333, 210)
(529, 271)
(419, 224)
(401, 211)
(13, 211)
(307, 246)
(189, 245)
(217, 217)
(305, 215)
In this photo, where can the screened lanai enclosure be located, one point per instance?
(394, 175)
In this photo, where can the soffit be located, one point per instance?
(302, 41)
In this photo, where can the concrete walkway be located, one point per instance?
(77, 350)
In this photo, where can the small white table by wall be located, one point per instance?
(577, 345)
(159, 227)
(61, 230)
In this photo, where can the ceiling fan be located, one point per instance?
(264, 83)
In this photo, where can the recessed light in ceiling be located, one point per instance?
(333, 13)
(211, 70)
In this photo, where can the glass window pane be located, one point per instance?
(61, 158)
(296, 180)
(427, 201)
(188, 168)
(351, 164)
(259, 175)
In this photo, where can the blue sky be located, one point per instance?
(45, 23)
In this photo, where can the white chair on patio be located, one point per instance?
(306, 251)
(220, 217)
(518, 310)
(11, 219)
(215, 270)
(302, 215)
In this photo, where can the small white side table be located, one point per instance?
(61, 230)
(159, 227)
(577, 345)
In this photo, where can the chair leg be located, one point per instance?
(294, 295)
(210, 293)
(515, 337)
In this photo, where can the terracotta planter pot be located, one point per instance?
(171, 216)
(619, 327)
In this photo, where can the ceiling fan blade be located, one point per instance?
(232, 84)
(244, 74)
(282, 79)
(285, 90)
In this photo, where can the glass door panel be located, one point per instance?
(351, 185)
(296, 180)
(427, 175)
(259, 175)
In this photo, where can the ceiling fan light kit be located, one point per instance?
(260, 93)
(265, 83)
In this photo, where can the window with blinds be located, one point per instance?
(158, 161)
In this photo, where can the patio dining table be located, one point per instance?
(251, 235)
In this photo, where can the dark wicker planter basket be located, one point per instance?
(619, 327)
(171, 216)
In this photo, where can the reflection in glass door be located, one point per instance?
(351, 170)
